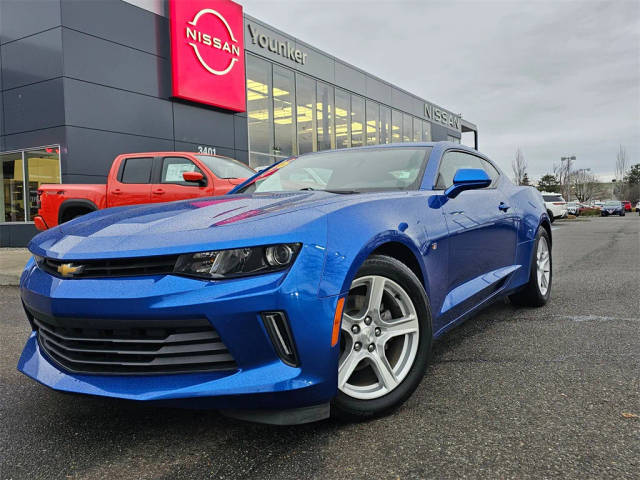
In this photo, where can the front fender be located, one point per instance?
(355, 232)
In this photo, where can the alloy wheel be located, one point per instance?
(543, 261)
(379, 338)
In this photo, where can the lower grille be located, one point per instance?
(132, 347)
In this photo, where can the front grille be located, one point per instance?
(132, 347)
(117, 267)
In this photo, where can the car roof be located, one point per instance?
(173, 152)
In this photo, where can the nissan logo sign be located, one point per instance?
(198, 39)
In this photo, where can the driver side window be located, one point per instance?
(451, 163)
(174, 167)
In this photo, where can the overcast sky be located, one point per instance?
(554, 78)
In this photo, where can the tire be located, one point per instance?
(533, 295)
(362, 392)
(551, 217)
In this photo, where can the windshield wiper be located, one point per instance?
(343, 192)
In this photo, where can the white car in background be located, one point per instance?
(556, 205)
(573, 208)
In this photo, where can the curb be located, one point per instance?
(9, 280)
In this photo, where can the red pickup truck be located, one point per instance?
(142, 178)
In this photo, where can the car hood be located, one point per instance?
(184, 226)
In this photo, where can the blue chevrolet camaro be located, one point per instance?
(316, 287)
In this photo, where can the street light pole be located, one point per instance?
(568, 160)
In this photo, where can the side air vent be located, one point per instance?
(280, 334)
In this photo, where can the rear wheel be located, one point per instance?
(537, 291)
(551, 218)
(385, 340)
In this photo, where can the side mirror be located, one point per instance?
(467, 179)
(192, 177)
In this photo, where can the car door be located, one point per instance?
(482, 233)
(172, 186)
(132, 183)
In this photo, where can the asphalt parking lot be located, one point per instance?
(512, 393)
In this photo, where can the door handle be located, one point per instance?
(158, 191)
(503, 207)
(116, 191)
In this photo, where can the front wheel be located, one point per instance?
(537, 291)
(385, 340)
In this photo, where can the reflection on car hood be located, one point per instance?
(174, 227)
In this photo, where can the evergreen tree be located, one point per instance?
(549, 183)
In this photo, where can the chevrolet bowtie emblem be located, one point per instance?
(69, 270)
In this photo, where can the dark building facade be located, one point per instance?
(83, 81)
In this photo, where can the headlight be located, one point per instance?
(237, 262)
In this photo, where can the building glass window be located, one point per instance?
(324, 117)
(396, 126)
(305, 111)
(407, 128)
(284, 112)
(385, 124)
(259, 111)
(13, 188)
(357, 121)
(426, 131)
(417, 130)
(373, 122)
(20, 197)
(343, 114)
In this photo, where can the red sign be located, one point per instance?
(207, 52)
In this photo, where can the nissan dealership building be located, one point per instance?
(84, 81)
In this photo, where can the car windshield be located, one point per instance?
(226, 167)
(612, 203)
(553, 198)
(347, 171)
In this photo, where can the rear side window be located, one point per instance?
(136, 170)
(451, 163)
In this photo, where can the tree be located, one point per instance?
(633, 177)
(584, 184)
(549, 183)
(621, 172)
(632, 180)
(621, 164)
(525, 179)
(562, 173)
(519, 166)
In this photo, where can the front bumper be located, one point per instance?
(260, 380)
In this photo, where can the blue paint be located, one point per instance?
(483, 252)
